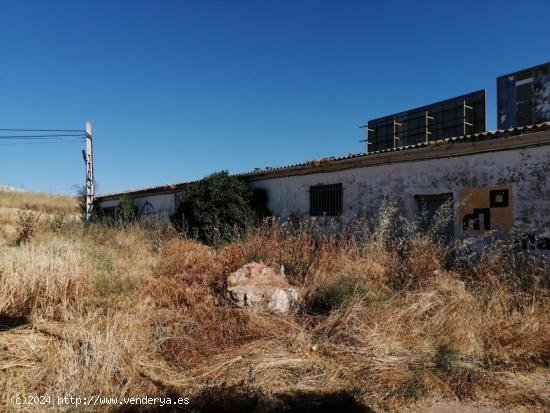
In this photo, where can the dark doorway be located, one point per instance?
(437, 210)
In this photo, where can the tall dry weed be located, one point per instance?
(383, 314)
(45, 279)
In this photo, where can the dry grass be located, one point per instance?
(119, 312)
(49, 209)
(36, 201)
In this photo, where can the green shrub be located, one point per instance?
(125, 211)
(330, 296)
(446, 359)
(336, 293)
(122, 215)
(218, 208)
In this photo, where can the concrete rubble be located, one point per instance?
(258, 286)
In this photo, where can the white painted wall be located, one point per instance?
(110, 203)
(163, 204)
(366, 188)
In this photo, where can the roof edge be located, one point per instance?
(325, 164)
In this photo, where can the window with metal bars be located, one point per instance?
(325, 200)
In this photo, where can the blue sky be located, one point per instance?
(179, 89)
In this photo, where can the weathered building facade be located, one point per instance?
(421, 159)
(494, 180)
(150, 201)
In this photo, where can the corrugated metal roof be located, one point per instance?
(329, 161)
(465, 138)
(137, 191)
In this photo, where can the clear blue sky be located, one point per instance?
(179, 89)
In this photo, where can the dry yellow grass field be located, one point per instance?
(36, 201)
(384, 324)
(47, 205)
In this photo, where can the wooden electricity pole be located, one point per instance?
(89, 161)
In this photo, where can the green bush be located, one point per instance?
(218, 208)
(446, 359)
(332, 295)
(125, 211)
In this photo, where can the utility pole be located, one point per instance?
(89, 161)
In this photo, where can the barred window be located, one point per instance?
(325, 200)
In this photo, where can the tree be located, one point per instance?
(216, 209)
(125, 212)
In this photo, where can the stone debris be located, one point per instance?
(259, 286)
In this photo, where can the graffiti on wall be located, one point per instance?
(485, 209)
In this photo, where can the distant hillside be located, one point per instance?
(49, 203)
(8, 188)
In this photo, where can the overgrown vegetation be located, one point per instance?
(334, 294)
(126, 213)
(218, 208)
(384, 319)
(27, 222)
(446, 359)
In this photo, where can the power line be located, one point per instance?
(41, 130)
(32, 136)
(41, 142)
(41, 136)
(65, 136)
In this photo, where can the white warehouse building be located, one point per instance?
(494, 180)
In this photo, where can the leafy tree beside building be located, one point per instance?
(218, 208)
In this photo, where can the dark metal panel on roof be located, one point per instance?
(452, 117)
(541, 94)
(523, 97)
(506, 105)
